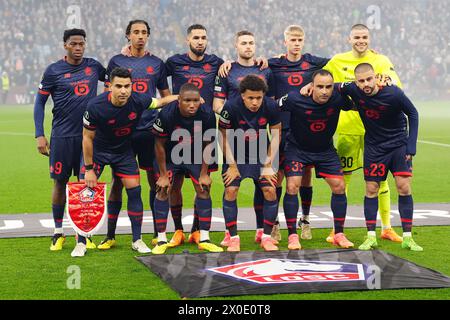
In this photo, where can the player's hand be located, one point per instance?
(263, 62)
(225, 68)
(383, 80)
(163, 184)
(270, 175)
(43, 146)
(204, 182)
(202, 101)
(409, 157)
(90, 178)
(230, 175)
(307, 90)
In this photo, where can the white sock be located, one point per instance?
(371, 233)
(162, 237)
(305, 217)
(59, 230)
(235, 237)
(204, 235)
(265, 236)
(407, 234)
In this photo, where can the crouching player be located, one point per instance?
(243, 122)
(187, 123)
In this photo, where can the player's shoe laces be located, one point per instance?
(390, 234)
(293, 242)
(330, 238)
(276, 232)
(208, 246)
(177, 239)
(194, 237)
(160, 247)
(341, 240)
(234, 245)
(226, 240)
(409, 243)
(306, 230)
(79, 250)
(107, 244)
(258, 235)
(140, 246)
(369, 243)
(58, 240)
(90, 244)
(268, 245)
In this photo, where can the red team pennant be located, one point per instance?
(86, 207)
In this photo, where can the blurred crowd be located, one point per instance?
(413, 34)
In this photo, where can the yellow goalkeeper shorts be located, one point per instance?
(350, 149)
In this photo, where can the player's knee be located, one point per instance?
(162, 195)
(292, 187)
(269, 193)
(338, 187)
(231, 194)
(204, 195)
(404, 189)
(372, 189)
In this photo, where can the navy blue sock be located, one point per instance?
(58, 214)
(370, 212)
(339, 208)
(135, 211)
(81, 239)
(290, 207)
(306, 197)
(152, 207)
(113, 214)
(230, 212)
(204, 210)
(195, 223)
(161, 213)
(176, 216)
(406, 209)
(258, 204)
(270, 214)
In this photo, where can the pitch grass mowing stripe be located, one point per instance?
(434, 143)
(29, 270)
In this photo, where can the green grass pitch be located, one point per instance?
(31, 271)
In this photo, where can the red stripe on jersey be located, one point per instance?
(219, 95)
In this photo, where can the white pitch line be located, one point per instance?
(434, 143)
(6, 133)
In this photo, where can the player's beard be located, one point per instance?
(198, 53)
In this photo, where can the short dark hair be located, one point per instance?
(254, 83)
(363, 67)
(244, 33)
(130, 24)
(359, 26)
(189, 87)
(195, 27)
(73, 32)
(321, 72)
(121, 73)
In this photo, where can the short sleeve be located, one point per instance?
(169, 67)
(48, 83)
(274, 112)
(284, 103)
(225, 117)
(162, 81)
(90, 118)
(270, 83)
(221, 88)
(101, 71)
(160, 129)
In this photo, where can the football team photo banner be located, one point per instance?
(86, 207)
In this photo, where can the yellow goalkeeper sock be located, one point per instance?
(347, 178)
(384, 204)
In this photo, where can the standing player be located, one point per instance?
(149, 74)
(200, 69)
(184, 115)
(109, 122)
(72, 82)
(310, 142)
(249, 115)
(227, 88)
(350, 141)
(388, 146)
(291, 72)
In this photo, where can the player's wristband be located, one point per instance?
(88, 167)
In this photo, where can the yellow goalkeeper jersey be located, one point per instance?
(342, 66)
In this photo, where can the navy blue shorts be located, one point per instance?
(377, 165)
(143, 143)
(252, 171)
(188, 170)
(123, 165)
(65, 157)
(282, 155)
(326, 163)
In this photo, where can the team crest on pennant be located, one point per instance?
(86, 207)
(277, 271)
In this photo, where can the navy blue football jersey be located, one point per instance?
(203, 73)
(171, 119)
(235, 115)
(228, 87)
(384, 117)
(114, 125)
(312, 124)
(292, 76)
(71, 87)
(148, 74)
